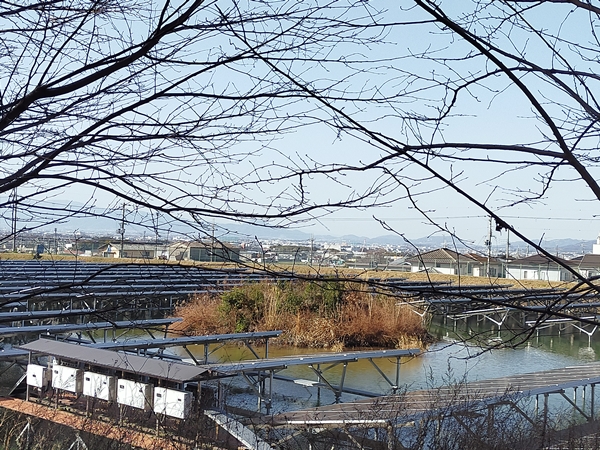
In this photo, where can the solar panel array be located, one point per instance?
(58, 297)
(60, 285)
(73, 291)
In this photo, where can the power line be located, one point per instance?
(396, 219)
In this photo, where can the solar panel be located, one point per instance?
(66, 328)
(139, 365)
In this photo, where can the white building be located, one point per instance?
(539, 267)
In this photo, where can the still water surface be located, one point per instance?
(454, 358)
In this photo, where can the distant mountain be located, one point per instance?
(265, 233)
(566, 245)
(244, 232)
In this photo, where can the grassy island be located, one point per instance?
(327, 314)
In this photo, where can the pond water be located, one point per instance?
(455, 357)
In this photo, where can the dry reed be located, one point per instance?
(310, 314)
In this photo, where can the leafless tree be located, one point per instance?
(186, 108)
(193, 109)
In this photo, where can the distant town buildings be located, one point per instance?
(331, 254)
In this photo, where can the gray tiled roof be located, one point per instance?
(441, 255)
(588, 261)
(536, 260)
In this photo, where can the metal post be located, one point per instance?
(270, 392)
(14, 221)
(545, 419)
(319, 385)
(593, 388)
(27, 384)
(260, 392)
(338, 393)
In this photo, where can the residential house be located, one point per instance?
(399, 264)
(442, 260)
(484, 266)
(203, 251)
(132, 250)
(539, 267)
(587, 265)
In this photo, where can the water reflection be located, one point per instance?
(587, 354)
(566, 339)
(461, 354)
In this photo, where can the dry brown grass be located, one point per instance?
(201, 316)
(380, 321)
(358, 319)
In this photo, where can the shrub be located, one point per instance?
(246, 304)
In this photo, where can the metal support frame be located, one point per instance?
(26, 385)
(577, 408)
(78, 444)
(337, 390)
(27, 431)
(457, 418)
(485, 314)
(592, 402)
(208, 352)
(538, 416)
(257, 384)
(352, 439)
(191, 355)
(393, 385)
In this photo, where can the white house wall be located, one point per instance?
(535, 273)
(443, 268)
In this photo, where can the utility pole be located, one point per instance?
(14, 221)
(506, 257)
(55, 242)
(212, 244)
(156, 235)
(121, 231)
(489, 248)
